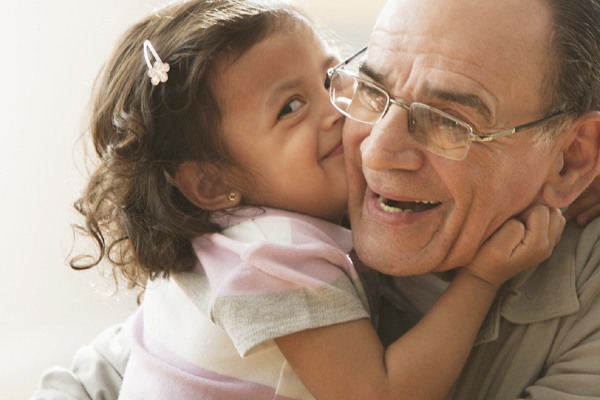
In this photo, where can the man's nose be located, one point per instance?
(390, 144)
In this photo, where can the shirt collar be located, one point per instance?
(541, 293)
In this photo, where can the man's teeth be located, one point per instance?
(390, 209)
(384, 205)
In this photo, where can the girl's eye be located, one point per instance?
(291, 107)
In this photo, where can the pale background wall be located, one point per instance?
(49, 57)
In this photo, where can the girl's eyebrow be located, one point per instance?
(286, 85)
(281, 88)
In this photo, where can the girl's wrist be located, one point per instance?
(466, 274)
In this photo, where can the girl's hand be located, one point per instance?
(587, 206)
(518, 245)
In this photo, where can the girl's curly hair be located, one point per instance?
(139, 220)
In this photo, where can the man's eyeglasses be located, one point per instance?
(438, 132)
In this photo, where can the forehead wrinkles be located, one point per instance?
(414, 72)
(502, 45)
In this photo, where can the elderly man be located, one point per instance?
(461, 114)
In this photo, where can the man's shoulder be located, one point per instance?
(553, 288)
(579, 249)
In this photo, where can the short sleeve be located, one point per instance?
(280, 289)
(96, 372)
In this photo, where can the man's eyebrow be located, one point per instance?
(371, 74)
(467, 99)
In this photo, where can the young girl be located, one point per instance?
(221, 187)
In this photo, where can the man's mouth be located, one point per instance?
(395, 207)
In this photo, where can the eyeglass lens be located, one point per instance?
(434, 130)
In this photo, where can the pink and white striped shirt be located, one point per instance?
(209, 333)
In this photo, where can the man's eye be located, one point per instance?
(291, 107)
(371, 98)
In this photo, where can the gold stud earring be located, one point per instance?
(232, 196)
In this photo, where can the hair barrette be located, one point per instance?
(157, 71)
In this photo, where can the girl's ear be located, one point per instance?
(204, 186)
(580, 160)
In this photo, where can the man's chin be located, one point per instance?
(395, 263)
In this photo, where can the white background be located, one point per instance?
(49, 57)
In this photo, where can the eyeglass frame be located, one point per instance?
(474, 136)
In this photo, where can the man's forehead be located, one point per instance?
(433, 83)
(466, 15)
(504, 58)
(488, 29)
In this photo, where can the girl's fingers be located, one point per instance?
(536, 219)
(510, 235)
(543, 228)
(557, 223)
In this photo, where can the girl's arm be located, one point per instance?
(587, 206)
(347, 361)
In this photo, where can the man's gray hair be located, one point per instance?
(574, 80)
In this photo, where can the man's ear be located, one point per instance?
(580, 159)
(204, 185)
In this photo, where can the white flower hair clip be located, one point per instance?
(157, 71)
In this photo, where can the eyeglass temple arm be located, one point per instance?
(511, 131)
(349, 59)
(330, 71)
(492, 136)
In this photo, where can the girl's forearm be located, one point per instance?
(427, 360)
(348, 361)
